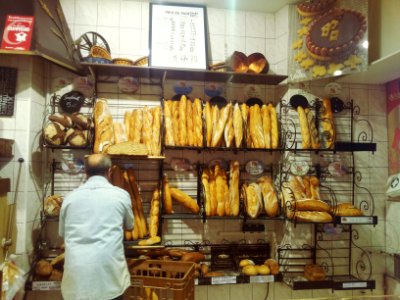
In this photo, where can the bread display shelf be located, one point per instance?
(177, 74)
(118, 157)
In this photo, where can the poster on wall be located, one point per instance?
(327, 38)
(178, 36)
(17, 33)
(393, 111)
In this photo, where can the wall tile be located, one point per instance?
(8, 123)
(23, 85)
(234, 43)
(113, 37)
(261, 290)
(269, 26)
(255, 25)
(79, 30)
(108, 13)
(145, 15)
(377, 102)
(217, 43)
(255, 45)
(200, 292)
(131, 14)
(270, 51)
(216, 20)
(282, 21)
(129, 40)
(68, 8)
(360, 98)
(218, 292)
(235, 23)
(240, 291)
(282, 45)
(86, 13)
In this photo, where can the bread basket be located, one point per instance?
(143, 61)
(100, 52)
(122, 61)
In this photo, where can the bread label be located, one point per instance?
(357, 220)
(353, 285)
(262, 278)
(46, 285)
(223, 280)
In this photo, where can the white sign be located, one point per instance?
(261, 278)
(357, 220)
(178, 36)
(223, 280)
(352, 285)
(46, 285)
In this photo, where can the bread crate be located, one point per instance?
(162, 280)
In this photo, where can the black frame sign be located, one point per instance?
(178, 36)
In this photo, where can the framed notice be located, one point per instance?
(178, 36)
(17, 33)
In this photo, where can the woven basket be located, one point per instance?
(97, 51)
(143, 61)
(122, 61)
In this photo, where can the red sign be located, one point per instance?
(17, 33)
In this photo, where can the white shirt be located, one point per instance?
(91, 221)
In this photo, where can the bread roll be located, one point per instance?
(305, 131)
(253, 200)
(273, 266)
(103, 125)
(312, 205)
(246, 262)
(274, 126)
(314, 272)
(229, 133)
(156, 137)
(214, 274)
(328, 125)
(237, 125)
(313, 216)
(346, 210)
(198, 122)
(206, 189)
(221, 122)
(234, 174)
(256, 127)
(43, 268)
(314, 186)
(154, 213)
(167, 197)
(169, 135)
(189, 124)
(269, 196)
(313, 129)
(135, 132)
(250, 270)
(182, 134)
(209, 123)
(185, 200)
(266, 125)
(263, 270)
(62, 119)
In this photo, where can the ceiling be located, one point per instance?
(266, 6)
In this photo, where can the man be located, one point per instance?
(91, 222)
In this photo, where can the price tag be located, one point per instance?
(46, 285)
(357, 220)
(196, 281)
(352, 285)
(261, 279)
(223, 280)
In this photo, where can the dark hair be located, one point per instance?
(97, 164)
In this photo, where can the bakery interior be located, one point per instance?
(354, 162)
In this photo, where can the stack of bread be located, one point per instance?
(248, 267)
(262, 126)
(302, 202)
(310, 136)
(137, 134)
(220, 197)
(52, 205)
(259, 196)
(183, 122)
(51, 270)
(67, 129)
(172, 193)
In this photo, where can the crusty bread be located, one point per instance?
(154, 213)
(185, 200)
(305, 131)
(237, 125)
(103, 125)
(234, 174)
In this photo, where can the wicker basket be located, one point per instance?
(122, 61)
(100, 52)
(143, 61)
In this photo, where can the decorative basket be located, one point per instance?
(143, 61)
(122, 61)
(97, 51)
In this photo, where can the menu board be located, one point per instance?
(178, 36)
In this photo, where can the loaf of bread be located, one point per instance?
(245, 116)
(269, 197)
(213, 193)
(175, 122)
(234, 175)
(185, 200)
(155, 131)
(253, 200)
(346, 210)
(274, 126)
(297, 187)
(43, 268)
(246, 262)
(128, 148)
(273, 266)
(80, 121)
(313, 129)
(52, 205)
(147, 132)
(314, 186)
(256, 127)
(139, 204)
(215, 117)
(136, 125)
(193, 257)
(312, 205)
(154, 213)
(266, 124)
(150, 241)
(58, 260)
(263, 270)
(307, 187)
(225, 113)
(167, 203)
(189, 124)
(169, 135)
(250, 270)
(314, 272)
(198, 122)
(182, 134)
(103, 125)
(205, 176)
(127, 123)
(237, 125)
(77, 137)
(229, 132)
(313, 216)
(54, 134)
(304, 129)
(328, 125)
(119, 133)
(62, 119)
(220, 183)
(209, 122)
(138, 231)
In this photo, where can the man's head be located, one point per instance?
(97, 164)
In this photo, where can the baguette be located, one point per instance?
(253, 200)
(346, 210)
(138, 230)
(313, 216)
(156, 137)
(226, 199)
(234, 175)
(313, 129)
(154, 213)
(274, 127)
(185, 200)
(150, 241)
(169, 135)
(305, 131)
(135, 190)
(117, 176)
(127, 123)
(103, 125)
(215, 115)
(245, 116)
(220, 124)
(182, 134)
(167, 196)
(175, 122)
(136, 126)
(220, 181)
(328, 124)
(266, 125)
(119, 133)
(147, 128)
(213, 194)
(193, 257)
(198, 122)
(269, 196)
(128, 235)
(307, 187)
(189, 124)
(209, 123)
(312, 205)
(206, 188)
(314, 186)
(297, 187)
(237, 125)
(256, 127)
(229, 132)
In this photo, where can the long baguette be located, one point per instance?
(154, 213)
(253, 200)
(136, 126)
(198, 122)
(305, 131)
(138, 231)
(156, 137)
(312, 205)
(135, 189)
(314, 186)
(269, 196)
(182, 134)
(256, 129)
(167, 196)
(266, 125)
(185, 200)
(220, 127)
(229, 132)
(313, 216)
(328, 124)
(234, 188)
(127, 123)
(220, 181)
(169, 135)
(209, 123)
(274, 127)
(313, 129)
(237, 125)
(205, 176)
(189, 124)
(103, 125)
(175, 122)
(213, 194)
(147, 128)
(117, 176)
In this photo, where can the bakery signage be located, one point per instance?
(328, 38)
(17, 33)
(178, 36)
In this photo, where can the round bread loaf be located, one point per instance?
(54, 133)
(43, 268)
(63, 119)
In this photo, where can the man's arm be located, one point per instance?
(128, 218)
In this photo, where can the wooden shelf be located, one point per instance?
(111, 70)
